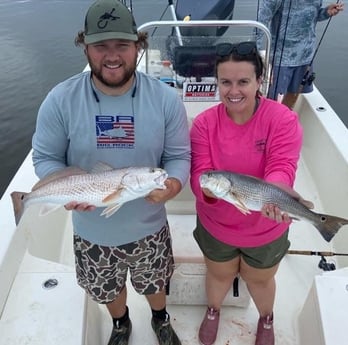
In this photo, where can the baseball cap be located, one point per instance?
(109, 19)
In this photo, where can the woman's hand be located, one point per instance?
(208, 193)
(273, 212)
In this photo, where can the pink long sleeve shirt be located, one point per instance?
(267, 146)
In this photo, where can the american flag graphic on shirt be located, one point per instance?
(115, 131)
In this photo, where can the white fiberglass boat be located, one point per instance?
(40, 302)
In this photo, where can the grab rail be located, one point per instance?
(212, 23)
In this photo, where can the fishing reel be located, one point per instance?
(308, 78)
(326, 266)
(323, 264)
(311, 78)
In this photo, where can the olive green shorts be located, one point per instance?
(265, 256)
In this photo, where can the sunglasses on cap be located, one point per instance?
(242, 48)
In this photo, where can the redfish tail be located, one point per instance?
(329, 226)
(18, 205)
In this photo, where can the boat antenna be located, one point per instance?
(124, 2)
(309, 78)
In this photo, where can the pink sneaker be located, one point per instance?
(265, 332)
(209, 326)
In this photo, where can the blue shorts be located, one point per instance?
(289, 79)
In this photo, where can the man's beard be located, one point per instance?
(128, 73)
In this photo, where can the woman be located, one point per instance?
(249, 134)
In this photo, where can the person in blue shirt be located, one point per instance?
(293, 24)
(119, 116)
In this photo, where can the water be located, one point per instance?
(37, 51)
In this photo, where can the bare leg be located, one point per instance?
(261, 286)
(218, 281)
(290, 99)
(219, 278)
(117, 308)
(157, 301)
(122, 328)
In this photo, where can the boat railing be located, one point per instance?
(201, 52)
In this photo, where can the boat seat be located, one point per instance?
(204, 10)
(194, 61)
(45, 306)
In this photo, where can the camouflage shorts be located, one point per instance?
(102, 271)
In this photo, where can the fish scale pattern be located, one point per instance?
(108, 188)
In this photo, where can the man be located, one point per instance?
(122, 117)
(292, 24)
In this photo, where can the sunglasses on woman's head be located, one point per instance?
(242, 48)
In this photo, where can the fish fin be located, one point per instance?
(48, 208)
(113, 195)
(240, 205)
(242, 209)
(100, 167)
(110, 210)
(306, 203)
(69, 171)
(329, 226)
(18, 205)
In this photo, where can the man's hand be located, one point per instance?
(334, 9)
(162, 195)
(84, 206)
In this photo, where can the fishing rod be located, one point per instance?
(281, 13)
(281, 10)
(315, 253)
(323, 264)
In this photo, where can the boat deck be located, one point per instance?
(27, 308)
(238, 324)
(40, 249)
